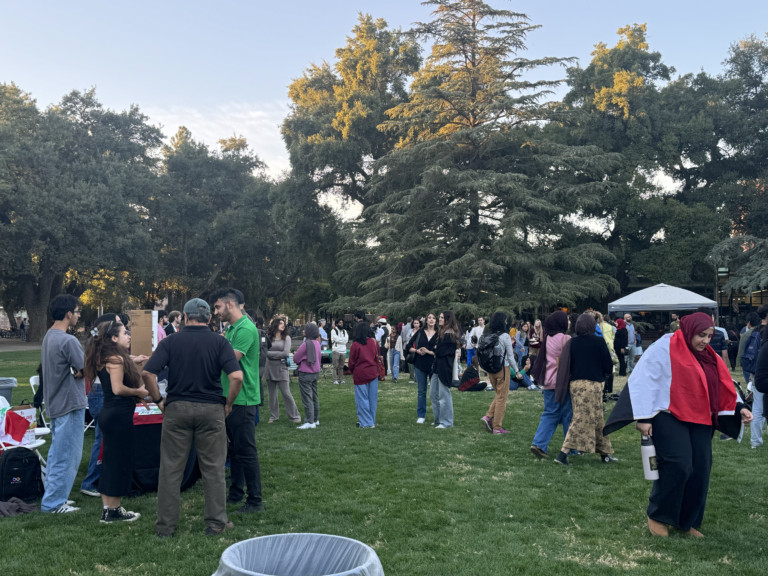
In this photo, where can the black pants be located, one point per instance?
(385, 359)
(622, 364)
(608, 386)
(684, 456)
(244, 458)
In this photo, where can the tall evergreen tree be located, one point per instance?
(331, 132)
(476, 209)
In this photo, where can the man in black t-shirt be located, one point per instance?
(194, 411)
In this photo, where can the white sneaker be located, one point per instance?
(92, 493)
(335, 381)
(65, 509)
(420, 421)
(342, 382)
(531, 387)
(440, 427)
(306, 426)
(72, 502)
(317, 422)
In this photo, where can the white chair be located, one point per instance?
(34, 383)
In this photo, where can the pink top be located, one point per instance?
(555, 346)
(300, 357)
(160, 332)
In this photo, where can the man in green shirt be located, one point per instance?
(241, 427)
(674, 326)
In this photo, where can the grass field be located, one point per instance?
(431, 502)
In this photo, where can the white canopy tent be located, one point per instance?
(661, 297)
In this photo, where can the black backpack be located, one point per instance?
(490, 353)
(20, 475)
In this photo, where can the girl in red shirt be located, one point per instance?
(365, 374)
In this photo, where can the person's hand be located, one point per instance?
(622, 350)
(646, 429)
(227, 410)
(420, 351)
(141, 392)
(139, 360)
(746, 416)
(144, 403)
(518, 375)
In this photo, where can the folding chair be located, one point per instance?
(34, 383)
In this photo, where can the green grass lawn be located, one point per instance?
(430, 502)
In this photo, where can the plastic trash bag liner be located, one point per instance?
(299, 555)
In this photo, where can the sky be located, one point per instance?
(222, 68)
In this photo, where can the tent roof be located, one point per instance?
(661, 297)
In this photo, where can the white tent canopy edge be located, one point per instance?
(660, 298)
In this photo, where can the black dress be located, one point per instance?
(116, 423)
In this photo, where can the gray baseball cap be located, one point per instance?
(197, 306)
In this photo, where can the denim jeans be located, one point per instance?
(630, 359)
(758, 412)
(95, 402)
(442, 402)
(470, 353)
(526, 382)
(553, 415)
(366, 400)
(421, 401)
(394, 363)
(63, 458)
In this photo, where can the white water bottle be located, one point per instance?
(648, 451)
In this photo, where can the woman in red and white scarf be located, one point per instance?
(679, 393)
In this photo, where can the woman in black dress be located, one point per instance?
(106, 356)
(620, 344)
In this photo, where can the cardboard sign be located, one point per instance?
(143, 332)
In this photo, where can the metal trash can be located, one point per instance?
(299, 555)
(6, 388)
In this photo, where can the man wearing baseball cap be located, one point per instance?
(194, 410)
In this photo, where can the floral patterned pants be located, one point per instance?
(586, 431)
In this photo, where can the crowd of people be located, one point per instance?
(214, 388)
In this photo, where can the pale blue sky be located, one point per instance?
(223, 67)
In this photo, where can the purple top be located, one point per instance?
(300, 357)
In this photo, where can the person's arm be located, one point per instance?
(281, 354)
(354, 352)
(150, 383)
(156, 364)
(243, 341)
(301, 353)
(116, 374)
(75, 356)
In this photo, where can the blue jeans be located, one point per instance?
(442, 402)
(470, 353)
(366, 400)
(421, 401)
(747, 376)
(394, 363)
(553, 415)
(526, 382)
(758, 412)
(63, 458)
(95, 402)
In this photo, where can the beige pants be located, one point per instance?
(500, 383)
(586, 431)
(338, 366)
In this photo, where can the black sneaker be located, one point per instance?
(231, 500)
(120, 514)
(607, 458)
(539, 453)
(250, 508)
(562, 458)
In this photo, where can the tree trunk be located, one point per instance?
(37, 297)
(11, 313)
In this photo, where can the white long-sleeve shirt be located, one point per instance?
(339, 340)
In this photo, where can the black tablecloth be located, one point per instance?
(146, 461)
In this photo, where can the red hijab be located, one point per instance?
(620, 324)
(690, 326)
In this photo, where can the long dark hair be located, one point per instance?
(450, 327)
(100, 348)
(498, 323)
(362, 333)
(272, 330)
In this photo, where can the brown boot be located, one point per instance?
(657, 528)
(695, 533)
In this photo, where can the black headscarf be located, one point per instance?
(557, 323)
(585, 325)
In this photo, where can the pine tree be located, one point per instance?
(476, 209)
